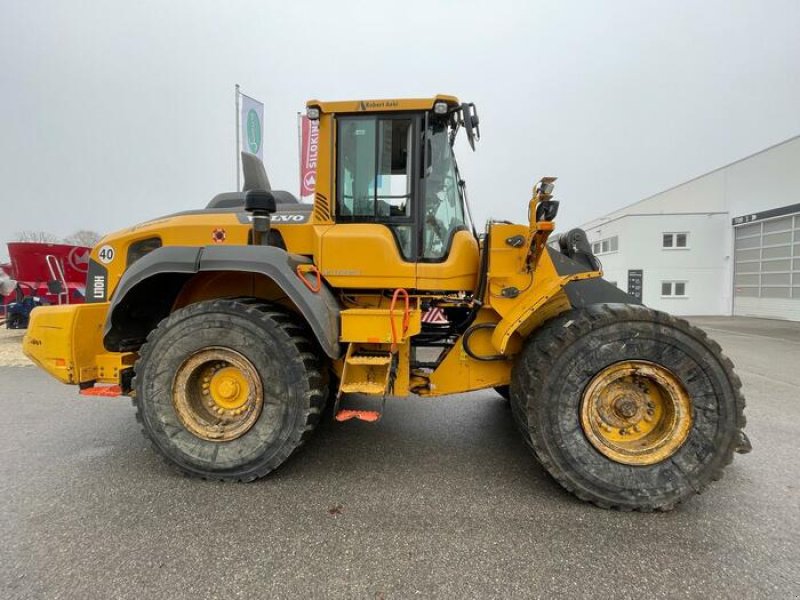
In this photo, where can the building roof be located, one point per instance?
(627, 210)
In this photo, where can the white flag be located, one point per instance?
(251, 120)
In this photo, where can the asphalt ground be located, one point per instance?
(440, 499)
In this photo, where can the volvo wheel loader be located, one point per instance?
(231, 326)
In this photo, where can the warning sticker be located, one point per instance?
(218, 235)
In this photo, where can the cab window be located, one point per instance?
(443, 210)
(375, 176)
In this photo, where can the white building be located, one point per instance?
(724, 243)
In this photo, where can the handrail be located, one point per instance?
(406, 315)
(57, 274)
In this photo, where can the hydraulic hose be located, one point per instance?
(465, 343)
(477, 297)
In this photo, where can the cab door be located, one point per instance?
(374, 243)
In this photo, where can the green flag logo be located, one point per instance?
(253, 131)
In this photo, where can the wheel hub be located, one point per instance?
(636, 413)
(626, 407)
(228, 388)
(217, 394)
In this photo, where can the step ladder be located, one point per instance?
(369, 370)
(371, 362)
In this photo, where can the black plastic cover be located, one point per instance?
(147, 290)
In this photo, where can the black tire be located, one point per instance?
(559, 361)
(293, 378)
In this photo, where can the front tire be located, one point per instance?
(627, 407)
(229, 389)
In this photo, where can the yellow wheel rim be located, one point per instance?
(636, 413)
(217, 394)
(229, 388)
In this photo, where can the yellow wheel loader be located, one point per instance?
(233, 325)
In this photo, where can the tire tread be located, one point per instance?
(294, 333)
(553, 338)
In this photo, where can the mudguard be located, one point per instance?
(148, 288)
(584, 292)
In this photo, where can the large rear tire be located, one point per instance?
(627, 407)
(229, 389)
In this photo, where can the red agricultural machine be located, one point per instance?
(41, 273)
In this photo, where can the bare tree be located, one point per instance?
(30, 235)
(83, 237)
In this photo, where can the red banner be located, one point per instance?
(309, 151)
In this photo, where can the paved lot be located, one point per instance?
(439, 499)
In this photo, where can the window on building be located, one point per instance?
(606, 246)
(673, 289)
(675, 240)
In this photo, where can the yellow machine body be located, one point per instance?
(359, 263)
(233, 327)
(67, 342)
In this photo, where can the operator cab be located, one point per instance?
(399, 198)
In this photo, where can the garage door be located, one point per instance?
(767, 265)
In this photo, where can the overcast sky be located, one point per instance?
(116, 112)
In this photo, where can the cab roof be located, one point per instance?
(382, 105)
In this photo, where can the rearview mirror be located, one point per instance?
(469, 116)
